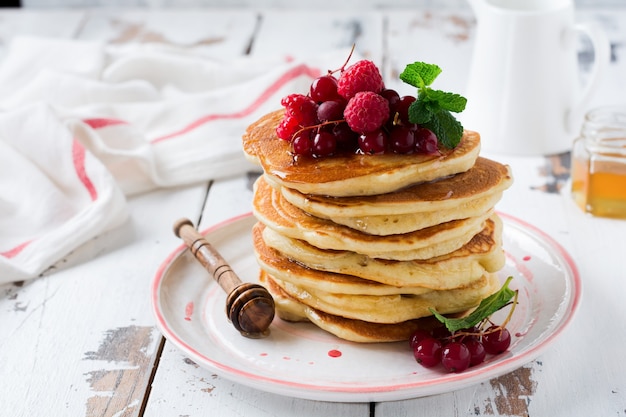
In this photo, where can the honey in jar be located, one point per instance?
(599, 163)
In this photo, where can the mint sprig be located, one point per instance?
(432, 107)
(486, 308)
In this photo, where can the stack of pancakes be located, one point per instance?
(364, 246)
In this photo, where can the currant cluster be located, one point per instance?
(352, 113)
(461, 350)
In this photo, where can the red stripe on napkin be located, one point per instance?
(78, 155)
(11, 253)
(265, 95)
(99, 123)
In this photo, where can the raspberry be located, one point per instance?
(366, 112)
(302, 107)
(287, 127)
(362, 76)
(290, 99)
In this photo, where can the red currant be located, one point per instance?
(373, 142)
(427, 352)
(302, 144)
(347, 139)
(324, 88)
(392, 97)
(476, 349)
(402, 139)
(402, 108)
(418, 336)
(324, 144)
(496, 340)
(441, 333)
(330, 110)
(425, 141)
(455, 357)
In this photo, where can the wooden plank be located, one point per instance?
(314, 33)
(227, 198)
(81, 339)
(217, 33)
(119, 390)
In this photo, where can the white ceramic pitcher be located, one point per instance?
(524, 93)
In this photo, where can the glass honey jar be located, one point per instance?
(599, 163)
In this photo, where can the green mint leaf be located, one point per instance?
(432, 107)
(420, 74)
(448, 130)
(448, 101)
(487, 307)
(420, 112)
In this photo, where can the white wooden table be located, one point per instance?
(81, 339)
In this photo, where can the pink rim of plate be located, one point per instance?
(503, 365)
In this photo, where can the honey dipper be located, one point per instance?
(249, 307)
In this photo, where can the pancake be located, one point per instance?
(277, 213)
(363, 246)
(284, 269)
(353, 174)
(393, 308)
(459, 196)
(290, 309)
(481, 255)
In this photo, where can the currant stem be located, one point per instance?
(317, 126)
(343, 67)
(508, 317)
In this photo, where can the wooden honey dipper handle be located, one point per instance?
(207, 255)
(250, 307)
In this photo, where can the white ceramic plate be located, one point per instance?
(300, 360)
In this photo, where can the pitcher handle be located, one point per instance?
(601, 58)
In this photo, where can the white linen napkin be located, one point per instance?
(54, 195)
(82, 124)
